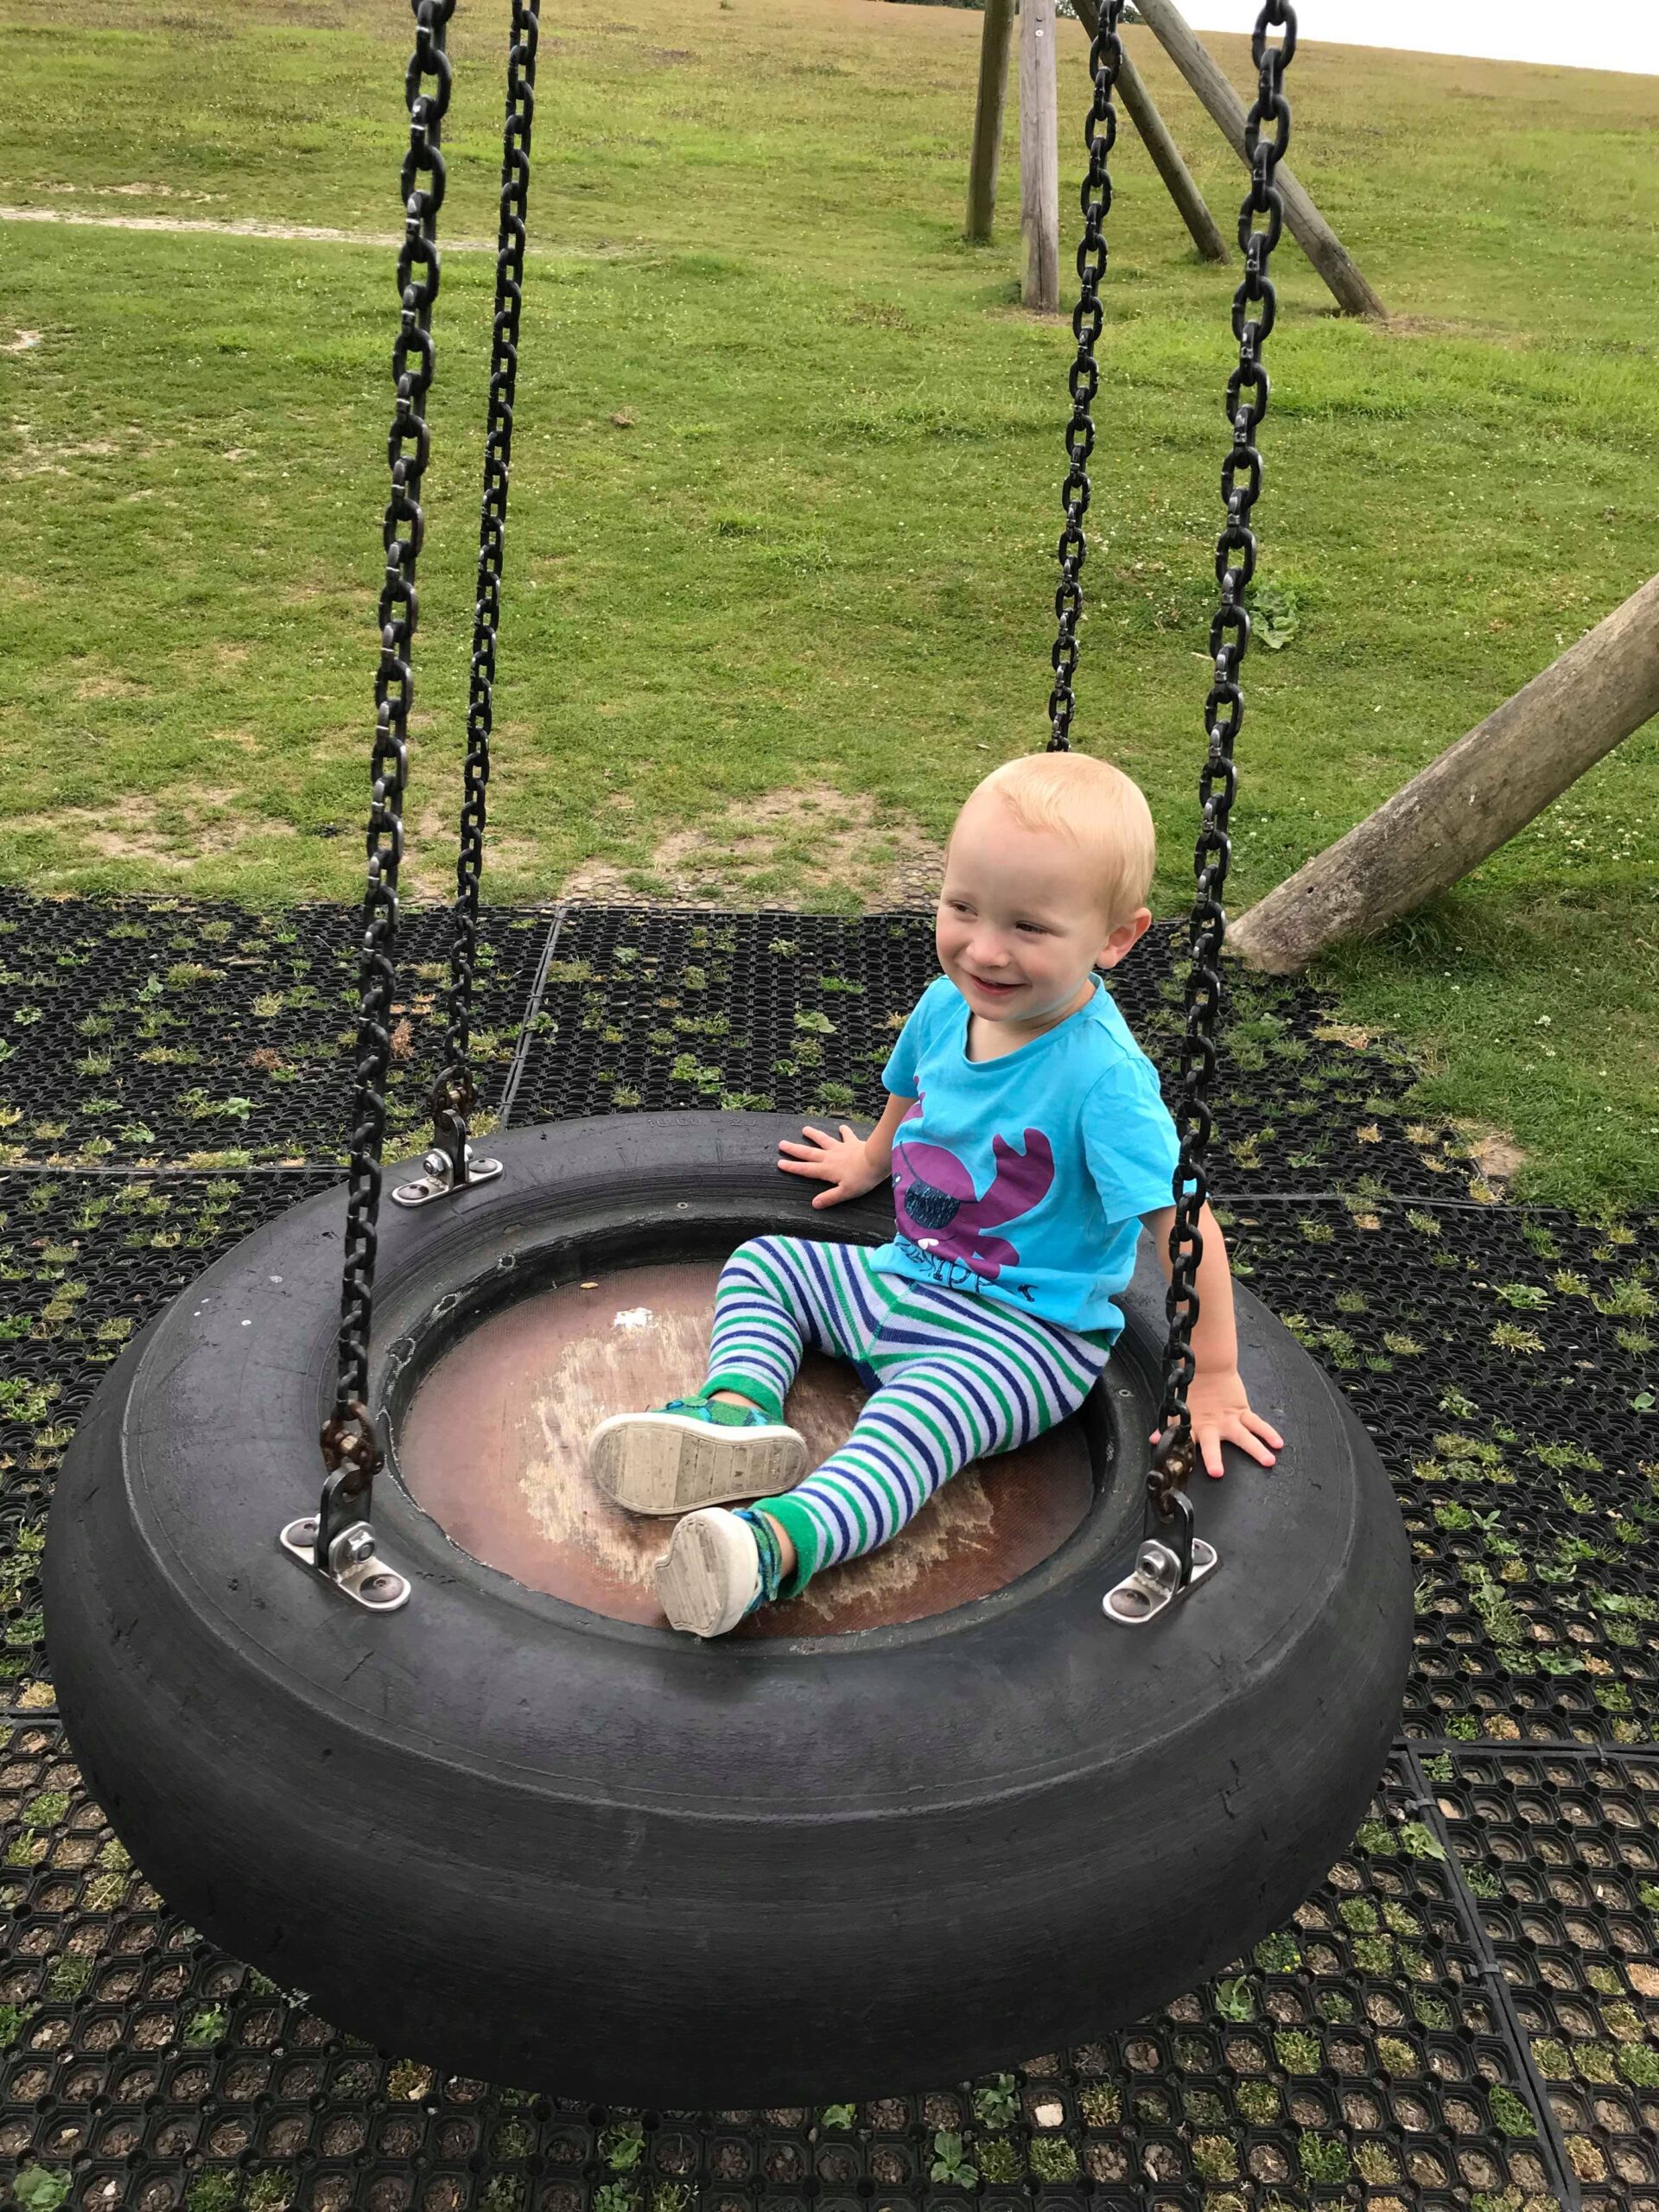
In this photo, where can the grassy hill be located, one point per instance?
(787, 483)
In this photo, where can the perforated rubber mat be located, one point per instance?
(654, 1008)
(160, 1030)
(1466, 2015)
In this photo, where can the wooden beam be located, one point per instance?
(1166, 159)
(1307, 226)
(986, 156)
(1469, 802)
(1165, 154)
(1039, 158)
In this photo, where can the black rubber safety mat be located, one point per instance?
(1365, 2050)
(649, 1007)
(1467, 2014)
(85, 1261)
(165, 1030)
(1562, 1854)
(1504, 1362)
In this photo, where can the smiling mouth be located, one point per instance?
(984, 983)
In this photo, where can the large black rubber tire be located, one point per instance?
(548, 1848)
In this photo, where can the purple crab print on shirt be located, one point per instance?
(940, 1210)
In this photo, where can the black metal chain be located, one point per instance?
(454, 1092)
(1100, 135)
(351, 1449)
(1254, 309)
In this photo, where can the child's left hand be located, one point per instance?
(1219, 1408)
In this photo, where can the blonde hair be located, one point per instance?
(1095, 805)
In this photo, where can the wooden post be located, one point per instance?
(1466, 804)
(986, 154)
(1307, 226)
(1039, 158)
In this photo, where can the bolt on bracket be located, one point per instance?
(437, 1179)
(1154, 1583)
(352, 1565)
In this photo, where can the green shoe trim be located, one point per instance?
(802, 1528)
(718, 1416)
(771, 1406)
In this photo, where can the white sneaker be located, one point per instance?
(709, 1577)
(679, 1457)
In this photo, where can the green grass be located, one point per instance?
(817, 560)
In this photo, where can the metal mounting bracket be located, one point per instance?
(1155, 1582)
(437, 1176)
(353, 1566)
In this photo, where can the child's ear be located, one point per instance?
(1124, 939)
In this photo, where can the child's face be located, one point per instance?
(1021, 928)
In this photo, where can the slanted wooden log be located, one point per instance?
(1307, 226)
(1138, 105)
(986, 156)
(1039, 158)
(1166, 158)
(1466, 804)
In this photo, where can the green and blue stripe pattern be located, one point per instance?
(952, 1378)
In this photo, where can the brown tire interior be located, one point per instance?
(492, 1446)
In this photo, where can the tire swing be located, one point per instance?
(497, 1816)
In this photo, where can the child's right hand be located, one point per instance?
(843, 1162)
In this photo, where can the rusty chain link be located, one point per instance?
(1223, 715)
(1100, 135)
(454, 1092)
(351, 1449)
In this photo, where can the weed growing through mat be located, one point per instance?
(997, 2104)
(950, 2163)
(1053, 2158)
(622, 2146)
(211, 2191)
(1000, 2160)
(39, 2189)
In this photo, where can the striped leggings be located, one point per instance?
(952, 1377)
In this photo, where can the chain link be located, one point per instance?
(1100, 135)
(454, 1092)
(351, 1449)
(1254, 309)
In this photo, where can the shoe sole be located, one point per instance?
(664, 1463)
(695, 1579)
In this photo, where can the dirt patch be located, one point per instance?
(779, 850)
(242, 227)
(148, 192)
(1428, 326)
(24, 341)
(254, 226)
(427, 875)
(174, 831)
(35, 456)
(141, 191)
(1496, 1158)
(110, 687)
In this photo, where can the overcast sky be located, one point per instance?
(1588, 34)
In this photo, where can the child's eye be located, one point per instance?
(1032, 929)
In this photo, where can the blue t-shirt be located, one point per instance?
(1024, 1179)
